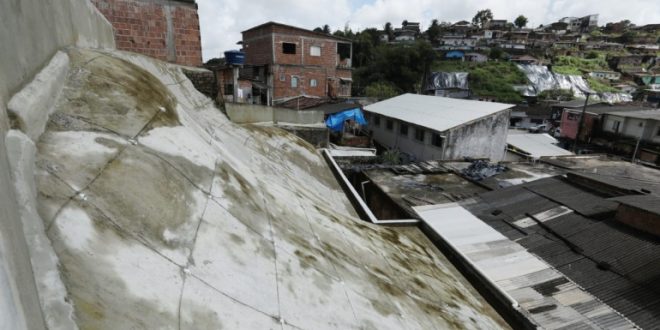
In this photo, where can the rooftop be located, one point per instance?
(639, 114)
(603, 108)
(573, 228)
(436, 113)
(409, 190)
(536, 145)
(273, 24)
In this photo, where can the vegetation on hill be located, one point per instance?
(572, 65)
(491, 79)
(601, 86)
(401, 66)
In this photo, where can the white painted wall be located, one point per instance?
(633, 127)
(484, 138)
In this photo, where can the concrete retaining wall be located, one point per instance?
(252, 113)
(32, 32)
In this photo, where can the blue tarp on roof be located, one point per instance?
(335, 122)
(455, 54)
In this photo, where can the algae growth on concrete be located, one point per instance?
(166, 215)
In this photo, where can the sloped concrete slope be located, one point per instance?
(165, 215)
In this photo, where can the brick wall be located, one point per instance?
(283, 75)
(166, 30)
(264, 46)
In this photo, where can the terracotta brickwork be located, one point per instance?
(314, 63)
(166, 30)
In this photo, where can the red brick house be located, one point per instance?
(295, 62)
(164, 29)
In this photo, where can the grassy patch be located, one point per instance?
(575, 65)
(600, 86)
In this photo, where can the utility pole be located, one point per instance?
(579, 130)
(639, 141)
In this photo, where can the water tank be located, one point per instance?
(234, 57)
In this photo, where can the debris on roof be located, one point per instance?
(481, 169)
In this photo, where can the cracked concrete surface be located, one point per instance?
(166, 215)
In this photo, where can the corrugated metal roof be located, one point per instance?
(649, 203)
(544, 295)
(616, 263)
(434, 112)
(536, 145)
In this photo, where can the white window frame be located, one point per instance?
(294, 82)
(313, 83)
(315, 51)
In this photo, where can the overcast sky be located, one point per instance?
(223, 20)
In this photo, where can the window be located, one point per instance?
(313, 83)
(419, 134)
(229, 89)
(573, 116)
(438, 140)
(657, 133)
(403, 129)
(615, 126)
(389, 124)
(294, 81)
(344, 51)
(315, 51)
(377, 120)
(288, 48)
(282, 77)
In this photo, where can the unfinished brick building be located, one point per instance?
(164, 29)
(293, 62)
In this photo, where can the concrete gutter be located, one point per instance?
(467, 260)
(360, 206)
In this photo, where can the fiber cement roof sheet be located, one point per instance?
(433, 112)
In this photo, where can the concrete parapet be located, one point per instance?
(32, 106)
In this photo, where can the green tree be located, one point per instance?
(520, 21)
(495, 53)
(401, 65)
(389, 31)
(326, 29)
(381, 90)
(627, 37)
(482, 18)
(433, 32)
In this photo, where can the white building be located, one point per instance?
(644, 124)
(439, 128)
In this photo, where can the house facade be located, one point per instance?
(440, 128)
(296, 62)
(644, 124)
(165, 30)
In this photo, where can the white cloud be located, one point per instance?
(222, 20)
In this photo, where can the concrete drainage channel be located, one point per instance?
(360, 205)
